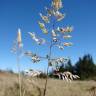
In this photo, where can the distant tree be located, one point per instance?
(9, 71)
(69, 67)
(62, 68)
(0, 70)
(85, 67)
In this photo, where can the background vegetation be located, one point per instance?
(84, 67)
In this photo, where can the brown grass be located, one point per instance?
(35, 87)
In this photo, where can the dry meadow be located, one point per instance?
(35, 86)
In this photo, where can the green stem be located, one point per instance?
(45, 89)
(19, 75)
(49, 57)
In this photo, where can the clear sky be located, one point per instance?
(24, 14)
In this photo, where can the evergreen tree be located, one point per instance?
(62, 68)
(85, 67)
(69, 67)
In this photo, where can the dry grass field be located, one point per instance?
(35, 87)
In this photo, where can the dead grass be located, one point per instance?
(35, 87)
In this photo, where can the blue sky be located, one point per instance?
(24, 14)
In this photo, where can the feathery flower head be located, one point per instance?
(67, 36)
(54, 33)
(39, 41)
(19, 39)
(68, 44)
(59, 16)
(50, 12)
(28, 53)
(44, 18)
(57, 4)
(60, 47)
(67, 29)
(42, 27)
